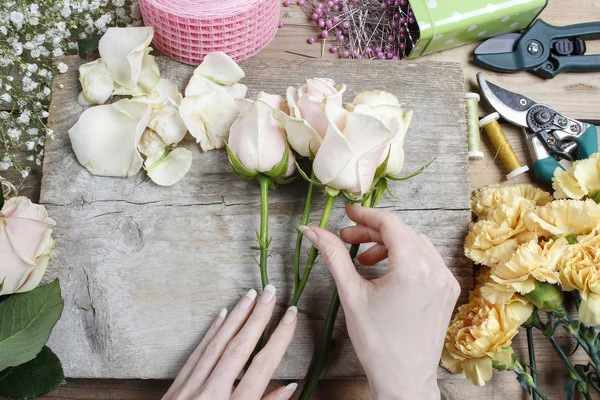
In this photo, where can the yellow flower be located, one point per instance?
(564, 217)
(493, 240)
(580, 270)
(582, 179)
(485, 201)
(530, 263)
(480, 332)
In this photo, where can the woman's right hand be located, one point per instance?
(397, 323)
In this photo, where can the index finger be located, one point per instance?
(395, 234)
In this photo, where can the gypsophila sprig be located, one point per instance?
(32, 38)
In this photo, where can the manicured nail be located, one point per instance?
(290, 315)
(309, 234)
(248, 299)
(268, 294)
(221, 318)
(288, 391)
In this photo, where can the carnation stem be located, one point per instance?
(531, 349)
(263, 240)
(572, 371)
(531, 380)
(318, 365)
(313, 253)
(310, 194)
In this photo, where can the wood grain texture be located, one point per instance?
(144, 269)
(577, 95)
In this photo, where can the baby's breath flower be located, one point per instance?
(62, 67)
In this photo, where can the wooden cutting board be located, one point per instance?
(144, 270)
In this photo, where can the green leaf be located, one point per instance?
(33, 379)
(380, 172)
(569, 389)
(1, 196)
(2, 284)
(26, 320)
(87, 46)
(404, 178)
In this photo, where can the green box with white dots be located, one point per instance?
(445, 24)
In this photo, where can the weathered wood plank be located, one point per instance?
(144, 268)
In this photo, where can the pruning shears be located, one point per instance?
(550, 135)
(544, 50)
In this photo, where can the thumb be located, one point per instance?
(336, 256)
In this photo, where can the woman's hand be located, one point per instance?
(397, 323)
(213, 367)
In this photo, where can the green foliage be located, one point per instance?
(26, 320)
(33, 379)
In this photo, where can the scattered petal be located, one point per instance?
(220, 68)
(96, 81)
(167, 167)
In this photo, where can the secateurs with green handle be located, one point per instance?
(544, 50)
(550, 135)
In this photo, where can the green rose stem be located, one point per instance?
(531, 349)
(313, 253)
(310, 194)
(263, 240)
(318, 365)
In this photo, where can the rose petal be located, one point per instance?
(376, 98)
(147, 81)
(220, 68)
(199, 84)
(209, 117)
(166, 168)
(105, 139)
(300, 135)
(151, 143)
(12, 266)
(165, 91)
(243, 104)
(167, 122)
(124, 50)
(275, 101)
(96, 81)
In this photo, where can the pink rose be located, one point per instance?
(25, 244)
(257, 140)
(352, 150)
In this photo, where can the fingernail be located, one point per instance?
(221, 318)
(309, 234)
(289, 391)
(290, 315)
(268, 294)
(248, 299)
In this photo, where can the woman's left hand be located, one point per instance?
(213, 367)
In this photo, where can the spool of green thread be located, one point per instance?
(473, 138)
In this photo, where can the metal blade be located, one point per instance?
(511, 106)
(499, 44)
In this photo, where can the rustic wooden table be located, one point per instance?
(577, 95)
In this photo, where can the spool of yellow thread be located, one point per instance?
(473, 138)
(505, 151)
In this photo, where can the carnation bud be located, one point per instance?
(596, 196)
(548, 298)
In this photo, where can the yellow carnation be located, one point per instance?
(493, 240)
(580, 270)
(564, 217)
(480, 332)
(485, 201)
(530, 263)
(582, 179)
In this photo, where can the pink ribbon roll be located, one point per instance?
(187, 30)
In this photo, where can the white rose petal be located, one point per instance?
(199, 84)
(165, 91)
(148, 78)
(124, 50)
(151, 143)
(167, 122)
(105, 138)
(96, 81)
(209, 117)
(166, 167)
(219, 67)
